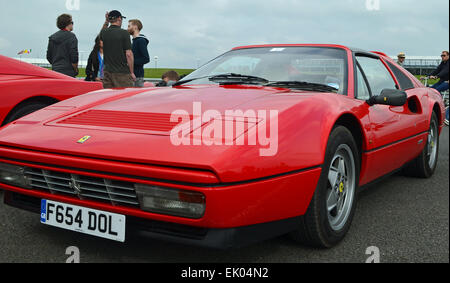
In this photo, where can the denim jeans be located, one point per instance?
(139, 82)
(441, 86)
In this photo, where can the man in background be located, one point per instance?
(441, 73)
(140, 50)
(401, 59)
(62, 51)
(118, 57)
(168, 79)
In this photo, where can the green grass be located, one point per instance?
(150, 73)
(430, 82)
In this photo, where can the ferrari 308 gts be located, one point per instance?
(25, 88)
(262, 141)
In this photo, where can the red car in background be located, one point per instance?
(335, 118)
(25, 88)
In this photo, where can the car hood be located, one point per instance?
(135, 126)
(11, 69)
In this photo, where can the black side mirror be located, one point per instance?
(392, 97)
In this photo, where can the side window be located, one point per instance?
(403, 80)
(377, 75)
(363, 92)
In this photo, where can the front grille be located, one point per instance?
(117, 193)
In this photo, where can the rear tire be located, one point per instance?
(446, 116)
(24, 110)
(332, 208)
(425, 164)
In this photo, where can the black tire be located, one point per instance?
(315, 228)
(420, 167)
(24, 110)
(446, 122)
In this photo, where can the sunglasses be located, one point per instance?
(443, 55)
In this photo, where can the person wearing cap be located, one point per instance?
(401, 59)
(118, 56)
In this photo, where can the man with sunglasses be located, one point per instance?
(441, 73)
(62, 51)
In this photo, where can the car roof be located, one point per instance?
(290, 45)
(352, 49)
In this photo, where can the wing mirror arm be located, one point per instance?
(391, 97)
(371, 101)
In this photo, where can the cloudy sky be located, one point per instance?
(186, 33)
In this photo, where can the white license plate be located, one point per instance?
(83, 220)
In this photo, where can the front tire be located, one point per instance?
(332, 208)
(425, 164)
(24, 110)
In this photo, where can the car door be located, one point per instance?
(394, 131)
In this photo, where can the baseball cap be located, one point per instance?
(114, 15)
(401, 55)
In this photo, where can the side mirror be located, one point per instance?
(392, 97)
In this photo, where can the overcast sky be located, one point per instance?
(185, 33)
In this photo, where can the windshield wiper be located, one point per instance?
(303, 86)
(233, 78)
(190, 80)
(227, 79)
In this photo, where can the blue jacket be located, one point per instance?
(141, 56)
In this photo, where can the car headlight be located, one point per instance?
(14, 175)
(171, 201)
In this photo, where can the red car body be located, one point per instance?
(22, 84)
(130, 141)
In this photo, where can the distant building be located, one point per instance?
(420, 65)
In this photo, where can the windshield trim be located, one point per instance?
(348, 54)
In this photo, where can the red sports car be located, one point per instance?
(259, 142)
(25, 88)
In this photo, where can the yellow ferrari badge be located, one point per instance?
(83, 139)
(341, 188)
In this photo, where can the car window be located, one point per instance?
(363, 92)
(403, 80)
(318, 65)
(377, 75)
(328, 71)
(238, 64)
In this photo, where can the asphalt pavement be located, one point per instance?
(407, 219)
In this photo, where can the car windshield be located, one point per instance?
(314, 65)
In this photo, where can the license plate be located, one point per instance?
(83, 220)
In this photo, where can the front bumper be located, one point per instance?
(202, 237)
(233, 211)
